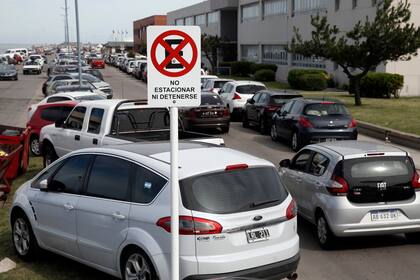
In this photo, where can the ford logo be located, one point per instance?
(257, 218)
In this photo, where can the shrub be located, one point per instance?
(380, 85)
(316, 81)
(241, 68)
(259, 66)
(265, 75)
(225, 64)
(294, 76)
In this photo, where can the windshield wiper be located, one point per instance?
(256, 204)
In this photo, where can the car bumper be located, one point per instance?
(321, 135)
(209, 123)
(354, 219)
(272, 271)
(8, 77)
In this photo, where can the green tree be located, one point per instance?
(389, 37)
(142, 48)
(209, 46)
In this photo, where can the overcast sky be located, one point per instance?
(42, 21)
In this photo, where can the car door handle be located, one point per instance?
(77, 137)
(118, 216)
(95, 141)
(68, 207)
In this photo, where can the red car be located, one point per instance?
(46, 114)
(97, 63)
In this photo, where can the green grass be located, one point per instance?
(47, 265)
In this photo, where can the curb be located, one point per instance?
(388, 134)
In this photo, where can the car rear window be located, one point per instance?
(379, 167)
(326, 109)
(137, 120)
(91, 97)
(210, 100)
(233, 191)
(249, 89)
(282, 99)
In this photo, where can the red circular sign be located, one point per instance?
(174, 53)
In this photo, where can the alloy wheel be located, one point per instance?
(21, 236)
(322, 230)
(35, 146)
(137, 268)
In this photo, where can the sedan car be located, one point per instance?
(303, 121)
(8, 72)
(110, 208)
(32, 67)
(354, 188)
(259, 109)
(211, 114)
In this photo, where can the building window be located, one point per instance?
(308, 5)
(213, 17)
(249, 52)
(250, 11)
(274, 7)
(276, 54)
(311, 62)
(354, 5)
(337, 5)
(200, 20)
(189, 21)
(179, 21)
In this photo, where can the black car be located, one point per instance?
(8, 72)
(259, 109)
(302, 121)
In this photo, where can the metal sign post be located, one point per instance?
(173, 73)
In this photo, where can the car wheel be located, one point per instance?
(413, 237)
(324, 234)
(34, 145)
(273, 133)
(49, 155)
(24, 240)
(137, 265)
(263, 126)
(245, 122)
(295, 141)
(225, 129)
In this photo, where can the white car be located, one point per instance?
(235, 94)
(204, 78)
(32, 67)
(38, 58)
(214, 85)
(109, 208)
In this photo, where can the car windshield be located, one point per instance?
(379, 167)
(6, 67)
(282, 99)
(326, 109)
(209, 99)
(90, 97)
(249, 89)
(90, 78)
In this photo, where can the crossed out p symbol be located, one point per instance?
(172, 64)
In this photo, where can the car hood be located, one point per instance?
(101, 84)
(7, 71)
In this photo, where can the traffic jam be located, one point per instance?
(113, 168)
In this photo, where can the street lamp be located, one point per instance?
(76, 7)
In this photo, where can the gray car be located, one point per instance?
(352, 188)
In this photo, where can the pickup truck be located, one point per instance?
(109, 122)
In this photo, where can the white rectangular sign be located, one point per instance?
(173, 66)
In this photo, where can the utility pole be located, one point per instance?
(67, 25)
(76, 7)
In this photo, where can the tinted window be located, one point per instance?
(256, 97)
(287, 107)
(264, 99)
(297, 108)
(58, 78)
(55, 113)
(95, 120)
(57, 99)
(301, 160)
(142, 120)
(147, 185)
(318, 164)
(249, 89)
(75, 120)
(219, 84)
(47, 173)
(233, 191)
(210, 99)
(69, 178)
(326, 109)
(281, 99)
(109, 178)
(380, 167)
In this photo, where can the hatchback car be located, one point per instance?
(259, 109)
(109, 208)
(8, 72)
(303, 121)
(353, 188)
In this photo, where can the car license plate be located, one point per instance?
(384, 215)
(256, 235)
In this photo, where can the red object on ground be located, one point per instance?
(97, 63)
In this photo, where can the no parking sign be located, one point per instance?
(173, 66)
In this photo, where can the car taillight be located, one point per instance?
(352, 124)
(236, 96)
(191, 113)
(415, 182)
(272, 108)
(236, 166)
(191, 225)
(304, 122)
(226, 112)
(291, 211)
(339, 186)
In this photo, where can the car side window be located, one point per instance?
(318, 164)
(47, 173)
(95, 120)
(75, 119)
(297, 108)
(109, 178)
(57, 99)
(69, 178)
(301, 160)
(51, 114)
(287, 107)
(147, 185)
(256, 97)
(263, 98)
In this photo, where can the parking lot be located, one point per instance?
(383, 257)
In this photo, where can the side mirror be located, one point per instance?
(251, 101)
(43, 185)
(284, 113)
(59, 123)
(56, 186)
(285, 163)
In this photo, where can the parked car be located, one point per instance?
(259, 109)
(235, 94)
(51, 79)
(111, 122)
(46, 114)
(8, 72)
(97, 63)
(355, 188)
(130, 66)
(100, 85)
(214, 85)
(211, 114)
(305, 121)
(94, 72)
(38, 58)
(109, 208)
(138, 70)
(32, 67)
(204, 78)
(144, 73)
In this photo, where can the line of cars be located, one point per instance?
(135, 66)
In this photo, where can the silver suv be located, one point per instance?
(353, 188)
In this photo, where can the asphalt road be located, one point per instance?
(375, 258)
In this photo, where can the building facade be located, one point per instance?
(140, 26)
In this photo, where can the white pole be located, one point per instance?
(174, 194)
(78, 42)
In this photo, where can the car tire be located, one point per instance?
(273, 133)
(413, 237)
(49, 155)
(34, 145)
(295, 141)
(263, 126)
(325, 236)
(24, 72)
(136, 265)
(225, 129)
(245, 121)
(24, 240)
